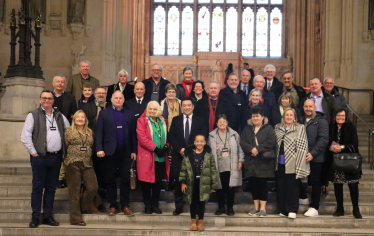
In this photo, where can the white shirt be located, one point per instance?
(267, 82)
(189, 122)
(121, 88)
(137, 100)
(242, 88)
(318, 101)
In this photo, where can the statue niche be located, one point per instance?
(76, 11)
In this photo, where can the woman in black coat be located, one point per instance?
(198, 91)
(344, 139)
(255, 100)
(258, 137)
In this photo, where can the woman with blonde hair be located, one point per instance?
(286, 101)
(78, 166)
(171, 105)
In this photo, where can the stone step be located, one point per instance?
(62, 206)
(239, 220)
(131, 229)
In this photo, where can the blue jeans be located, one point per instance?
(45, 171)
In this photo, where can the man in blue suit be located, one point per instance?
(116, 143)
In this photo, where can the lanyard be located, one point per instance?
(80, 135)
(50, 121)
(224, 143)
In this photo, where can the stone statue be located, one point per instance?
(218, 73)
(371, 15)
(2, 10)
(76, 11)
(37, 8)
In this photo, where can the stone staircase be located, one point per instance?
(15, 211)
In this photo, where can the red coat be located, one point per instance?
(146, 157)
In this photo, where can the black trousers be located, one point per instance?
(259, 188)
(98, 165)
(178, 195)
(118, 161)
(353, 190)
(302, 193)
(151, 191)
(226, 190)
(315, 179)
(288, 191)
(197, 206)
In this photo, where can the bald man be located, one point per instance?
(137, 104)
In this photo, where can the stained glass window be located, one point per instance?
(173, 31)
(248, 1)
(204, 1)
(159, 0)
(187, 31)
(159, 31)
(174, 1)
(262, 32)
(276, 33)
(203, 30)
(262, 1)
(231, 30)
(217, 30)
(231, 1)
(247, 32)
(218, 1)
(188, 1)
(276, 1)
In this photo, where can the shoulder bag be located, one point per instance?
(347, 162)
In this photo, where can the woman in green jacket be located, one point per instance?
(199, 178)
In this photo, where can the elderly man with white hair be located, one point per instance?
(155, 85)
(272, 83)
(75, 83)
(329, 87)
(268, 100)
(122, 85)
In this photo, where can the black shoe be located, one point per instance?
(61, 184)
(148, 210)
(274, 190)
(339, 212)
(230, 211)
(35, 221)
(177, 211)
(156, 210)
(79, 223)
(50, 221)
(356, 213)
(220, 211)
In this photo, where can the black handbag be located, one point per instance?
(347, 162)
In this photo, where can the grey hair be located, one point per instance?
(214, 81)
(287, 72)
(245, 71)
(314, 77)
(85, 61)
(258, 76)
(156, 63)
(100, 87)
(118, 91)
(123, 71)
(59, 76)
(268, 65)
(158, 107)
(328, 77)
(254, 90)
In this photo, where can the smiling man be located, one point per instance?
(155, 85)
(297, 92)
(328, 87)
(139, 103)
(271, 82)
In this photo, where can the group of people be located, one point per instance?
(256, 128)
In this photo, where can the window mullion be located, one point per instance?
(240, 32)
(210, 26)
(166, 28)
(224, 10)
(269, 11)
(180, 29)
(255, 29)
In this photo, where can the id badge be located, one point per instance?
(119, 126)
(155, 92)
(225, 152)
(83, 149)
(53, 128)
(136, 114)
(239, 104)
(55, 108)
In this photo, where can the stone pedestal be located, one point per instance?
(21, 96)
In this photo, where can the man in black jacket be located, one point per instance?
(246, 84)
(215, 105)
(155, 85)
(317, 131)
(271, 82)
(328, 87)
(122, 85)
(137, 104)
(298, 93)
(182, 133)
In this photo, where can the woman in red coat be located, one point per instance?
(152, 162)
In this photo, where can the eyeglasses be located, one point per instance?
(171, 91)
(100, 93)
(269, 71)
(46, 99)
(329, 83)
(156, 70)
(221, 122)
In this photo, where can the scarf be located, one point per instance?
(262, 102)
(212, 114)
(169, 114)
(184, 83)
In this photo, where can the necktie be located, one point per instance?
(139, 101)
(187, 131)
(269, 85)
(245, 89)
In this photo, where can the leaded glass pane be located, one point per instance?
(276, 33)
(160, 1)
(276, 1)
(217, 30)
(231, 1)
(188, 1)
(262, 1)
(218, 1)
(262, 32)
(187, 31)
(231, 30)
(204, 1)
(159, 31)
(247, 32)
(203, 30)
(174, 1)
(173, 31)
(248, 1)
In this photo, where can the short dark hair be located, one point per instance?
(45, 91)
(246, 64)
(221, 116)
(186, 99)
(195, 82)
(257, 110)
(200, 135)
(338, 110)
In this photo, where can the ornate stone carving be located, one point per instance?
(76, 29)
(47, 30)
(55, 25)
(76, 11)
(88, 30)
(77, 52)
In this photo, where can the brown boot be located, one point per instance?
(200, 225)
(193, 225)
(93, 208)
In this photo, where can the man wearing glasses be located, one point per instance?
(328, 87)
(271, 82)
(297, 92)
(155, 85)
(43, 136)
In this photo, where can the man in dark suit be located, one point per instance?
(122, 85)
(236, 97)
(183, 131)
(116, 144)
(297, 92)
(246, 84)
(66, 104)
(137, 104)
(155, 85)
(271, 82)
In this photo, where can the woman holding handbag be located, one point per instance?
(152, 161)
(258, 142)
(344, 139)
